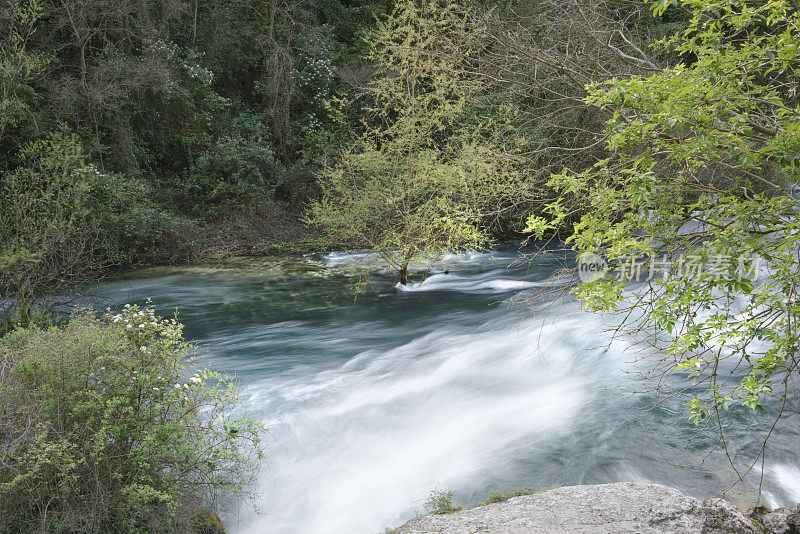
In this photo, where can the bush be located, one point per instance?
(441, 502)
(236, 172)
(48, 227)
(63, 222)
(107, 425)
(132, 229)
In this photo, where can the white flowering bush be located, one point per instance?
(183, 60)
(108, 425)
(315, 78)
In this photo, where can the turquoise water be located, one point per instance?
(471, 381)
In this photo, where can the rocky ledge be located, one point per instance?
(623, 507)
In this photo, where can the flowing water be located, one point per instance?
(373, 402)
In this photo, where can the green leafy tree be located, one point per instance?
(705, 161)
(48, 230)
(238, 171)
(19, 65)
(428, 174)
(62, 222)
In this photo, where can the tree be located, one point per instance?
(19, 66)
(48, 226)
(704, 163)
(541, 55)
(427, 174)
(62, 222)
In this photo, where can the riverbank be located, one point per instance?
(618, 508)
(271, 228)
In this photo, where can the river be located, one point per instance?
(471, 381)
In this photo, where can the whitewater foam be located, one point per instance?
(365, 441)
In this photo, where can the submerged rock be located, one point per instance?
(624, 507)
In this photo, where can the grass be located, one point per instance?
(300, 245)
(500, 495)
(441, 502)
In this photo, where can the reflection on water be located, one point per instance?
(373, 402)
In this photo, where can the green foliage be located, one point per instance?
(302, 245)
(425, 179)
(441, 502)
(193, 114)
(62, 221)
(109, 426)
(19, 66)
(704, 165)
(238, 171)
(500, 495)
(48, 228)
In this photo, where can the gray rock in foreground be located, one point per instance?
(782, 521)
(623, 507)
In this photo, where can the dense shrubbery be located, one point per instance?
(106, 425)
(238, 171)
(190, 115)
(63, 221)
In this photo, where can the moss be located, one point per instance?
(301, 245)
(207, 522)
(500, 495)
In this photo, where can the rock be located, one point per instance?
(782, 521)
(623, 507)
(758, 512)
(721, 516)
(207, 522)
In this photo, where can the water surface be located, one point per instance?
(373, 402)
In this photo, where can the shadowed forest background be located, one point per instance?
(197, 129)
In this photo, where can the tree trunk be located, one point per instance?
(194, 24)
(404, 274)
